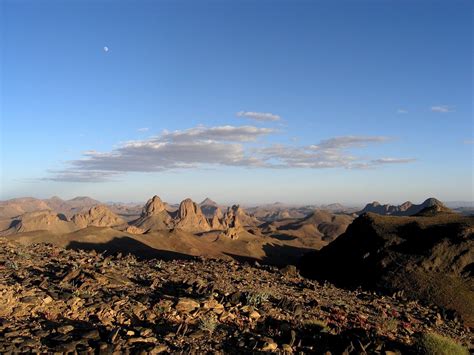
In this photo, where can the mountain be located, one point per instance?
(127, 211)
(277, 211)
(45, 220)
(215, 221)
(405, 209)
(209, 208)
(236, 216)
(72, 206)
(429, 257)
(99, 216)
(18, 206)
(154, 216)
(190, 218)
(325, 224)
(314, 231)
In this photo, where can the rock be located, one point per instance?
(98, 216)
(254, 315)
(153, 206)
(270, 346)
(215, 222)
(47, 300)
(213, 305)
(190, 218)
(186, 305)
(65, 329)
(236, 217)
(158, 349)
(135, 230)
(30, 300)
(91, 334)
(287, 348)
(121, 304)
(289, 270)
(154, 217)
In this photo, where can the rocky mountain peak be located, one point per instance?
(434, 210)
(189, 217)
(432, 202)
(99, 216)
(208, 202)
(153, 206)
(405, 209)
(188, 207)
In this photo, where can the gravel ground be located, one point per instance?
(57, 300)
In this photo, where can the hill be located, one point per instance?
(18, 206)
(210, 208)
(430, 257)
(405, 209)
(39, 221)
(98, 216)
(154, 216)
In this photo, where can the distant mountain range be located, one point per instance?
(405, 209)
(208, 228)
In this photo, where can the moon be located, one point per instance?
(106, 49)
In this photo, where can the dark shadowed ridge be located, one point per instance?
(430, 257)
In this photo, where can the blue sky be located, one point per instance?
(242, 101)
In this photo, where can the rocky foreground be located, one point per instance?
(57, 300)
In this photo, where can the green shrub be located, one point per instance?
(316, 325)
(435, 344)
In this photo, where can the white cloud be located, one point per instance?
(402, 111)
(349, 141)
(442, 109)
(393, 160)
(329, 153)
(219, 133)
(222, 146)
(72, 175)
(144, 129)
(258, 116)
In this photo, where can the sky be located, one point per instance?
(242, 101)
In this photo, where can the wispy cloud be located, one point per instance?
(469, 141)
(393, 160)
(144, 129)
(77, 175)
(329, 153)
(350, 141)
(402, 111)
(442, 108)
(220, 146)
(219, 133)
(258, 116)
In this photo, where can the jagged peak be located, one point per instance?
(208, 202)
(432, 201)
(188, 206)
(153, 206)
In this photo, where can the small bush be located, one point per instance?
(435, 344)
(316, 325)
(208, 325)
(257, 298)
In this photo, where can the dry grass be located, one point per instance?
(440, 289)
(435, 344)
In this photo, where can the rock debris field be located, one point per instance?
(59, 301)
